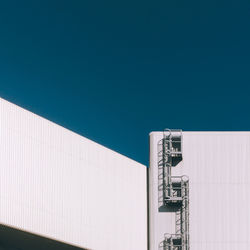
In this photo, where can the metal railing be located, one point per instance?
(175, 191)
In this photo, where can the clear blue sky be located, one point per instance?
(115, 70)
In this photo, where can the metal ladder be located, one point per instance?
(175, 191)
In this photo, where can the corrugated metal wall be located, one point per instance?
(60, 185)
(218, 166)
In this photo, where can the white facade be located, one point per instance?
(60, 185)
(218, 166)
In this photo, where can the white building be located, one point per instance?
(217, 212)
(59, 190)
(60, 185)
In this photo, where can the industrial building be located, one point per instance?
(199, 190)
(60, 190)
(59, 185)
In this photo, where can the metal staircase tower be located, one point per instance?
(175, 191)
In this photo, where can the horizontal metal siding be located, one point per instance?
(58, 184)
(218, 166)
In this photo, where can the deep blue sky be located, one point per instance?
(115, 70)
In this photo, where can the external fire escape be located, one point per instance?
(175, 191)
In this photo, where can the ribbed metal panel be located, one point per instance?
(218, 166)
(63, 186)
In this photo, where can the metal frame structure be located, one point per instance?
(175, 191)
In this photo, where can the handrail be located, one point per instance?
(175, 191)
